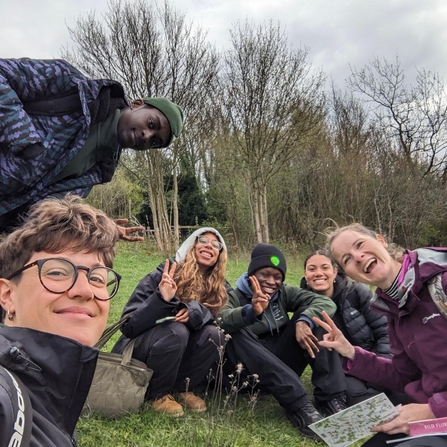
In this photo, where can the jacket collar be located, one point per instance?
(58, 371)
(417, 268)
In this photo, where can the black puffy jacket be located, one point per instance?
(360, 325)
(57, 373)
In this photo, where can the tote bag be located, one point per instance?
(120, 382)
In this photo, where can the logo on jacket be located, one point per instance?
(425, 320)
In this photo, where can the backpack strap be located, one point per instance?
(437, 293)
(54, 105)
(21, 436)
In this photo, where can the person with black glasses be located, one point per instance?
(172, 321)
(56, 282)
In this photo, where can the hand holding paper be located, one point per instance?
(354, 423)
(407, 413)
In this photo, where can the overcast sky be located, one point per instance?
(337, 32)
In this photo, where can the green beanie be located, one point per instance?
(172, 112)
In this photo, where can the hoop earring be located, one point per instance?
(10, 316)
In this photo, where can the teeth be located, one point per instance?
(365, 269)
(205, 254)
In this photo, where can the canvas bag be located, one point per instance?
(120, 382)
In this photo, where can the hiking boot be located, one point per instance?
(333, 405)
(302, 418)
(168, 405)
(193, 402)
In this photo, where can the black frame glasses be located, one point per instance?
(95, 279)
(205, 240)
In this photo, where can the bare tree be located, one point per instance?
(270, 97)
(415, 117)
(152, 50)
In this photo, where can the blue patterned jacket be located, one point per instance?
(35, 148)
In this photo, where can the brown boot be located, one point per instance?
(167, 404)
(193, 402)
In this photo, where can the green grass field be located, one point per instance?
(237, 424)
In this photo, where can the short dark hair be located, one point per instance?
(321, 253)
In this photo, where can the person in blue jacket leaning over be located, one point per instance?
(61, 131)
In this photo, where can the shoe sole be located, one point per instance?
(174, 414)
(197, 410)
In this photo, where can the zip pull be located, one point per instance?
(16, 354)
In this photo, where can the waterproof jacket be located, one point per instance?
(237, 313)
(57, 373)
(148, 306)
(35, 148)
(417, 332)
(360, 325)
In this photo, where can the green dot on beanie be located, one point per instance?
(275, 260)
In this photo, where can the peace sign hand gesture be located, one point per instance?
(334, 338)
(259, 300)
(167, 286)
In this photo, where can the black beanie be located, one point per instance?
(266, 255)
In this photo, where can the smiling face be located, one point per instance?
(142, 127)
(364, 258)
(270, 280)
(74, 314)
(320, 275)
(205, 251)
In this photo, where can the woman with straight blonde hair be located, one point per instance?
(417, 326)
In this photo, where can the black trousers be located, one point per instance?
(358, 390)
(180, 358)
(327, 373)
(279, 362)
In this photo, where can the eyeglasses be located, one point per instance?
(206, 240)
(59, 275)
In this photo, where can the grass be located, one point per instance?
(236, 426)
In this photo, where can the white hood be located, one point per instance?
(190, 241)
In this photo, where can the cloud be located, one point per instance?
(338, 33)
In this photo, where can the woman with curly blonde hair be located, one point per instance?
(172, 320)
(199, 282)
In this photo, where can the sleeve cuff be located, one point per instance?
(248, 316)
(307, 320)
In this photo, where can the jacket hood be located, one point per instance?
(243, 285)
(190, 241)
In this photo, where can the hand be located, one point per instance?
(305, 338)
(182, 316)
(334, 339)
(408, 413)
(125, 232)
(167, 286)
(259, 300)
